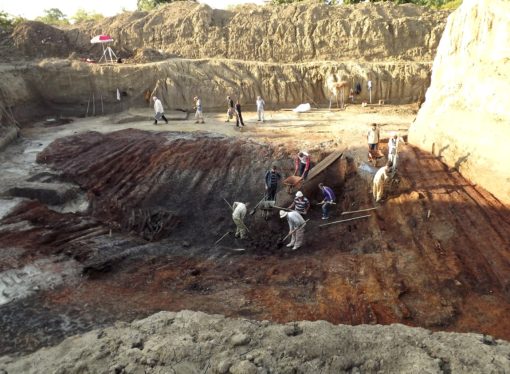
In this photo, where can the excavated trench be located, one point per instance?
(146, 241)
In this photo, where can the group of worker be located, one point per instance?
(295, 212)
(388, 171)
(232, 110)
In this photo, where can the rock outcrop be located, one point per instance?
(465, 118)
(194, 342)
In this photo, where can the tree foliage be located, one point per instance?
(53, 16)
(8, 21)
(147, 5)
(82, 15)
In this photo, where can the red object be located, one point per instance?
(101, 39)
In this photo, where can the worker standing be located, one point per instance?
(158, 109)
(300, 204)
(238, 214)
(199, 115)
(379, 180)
(271, 180)
(239, 116)
(373, 136)
(296, 228)
(393, 149)
(327, 201)
(302, 164)
(230, 109)
(260, 108)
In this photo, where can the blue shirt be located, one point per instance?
(328, 193)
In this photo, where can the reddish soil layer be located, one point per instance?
(436, 254)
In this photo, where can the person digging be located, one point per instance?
(296, 228)
(238, 214)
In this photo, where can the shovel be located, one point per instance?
(252, 212)
(280, 242)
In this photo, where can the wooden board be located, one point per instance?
(324, 164)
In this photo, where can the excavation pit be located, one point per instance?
(156, 208)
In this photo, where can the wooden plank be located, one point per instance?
(324, 164)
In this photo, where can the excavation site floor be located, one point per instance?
(102, 222)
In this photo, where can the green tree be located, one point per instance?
(8, 21)
(82, 15)
(53, 16)
(147, 5)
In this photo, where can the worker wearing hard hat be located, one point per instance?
(300, 204)
(296, 228)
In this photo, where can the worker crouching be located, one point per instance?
(238, 214)
(296, 228)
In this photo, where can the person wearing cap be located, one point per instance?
(238, 214)
(199, 115)
(260, 108)
(327, 201)
(302, 164)
(271, 179)
(393, 149)
(158, 109)
(373, 136)
(300, 203)
(379, 179)
(296, 228)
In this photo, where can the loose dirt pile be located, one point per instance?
(191, 342)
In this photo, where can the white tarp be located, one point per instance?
(301, 108)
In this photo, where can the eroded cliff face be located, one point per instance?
(465, 118)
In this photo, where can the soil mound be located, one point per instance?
(193, 342)
(37, 39)
(292, 33)
(464, 119)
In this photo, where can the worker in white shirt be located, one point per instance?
(393, 149)
(238, 214)
(296, 228)
(158, 109)
(380, 178)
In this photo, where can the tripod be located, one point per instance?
(108, 54)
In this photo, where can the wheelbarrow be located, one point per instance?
(293, 183)
(267, 206)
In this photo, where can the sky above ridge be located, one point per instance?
(33, 8)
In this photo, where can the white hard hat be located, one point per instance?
(283, 213)
(299, 194)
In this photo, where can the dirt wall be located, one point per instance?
(465, 118)
(68, 87)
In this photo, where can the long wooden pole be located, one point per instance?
(344, 220)
(358, 211)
